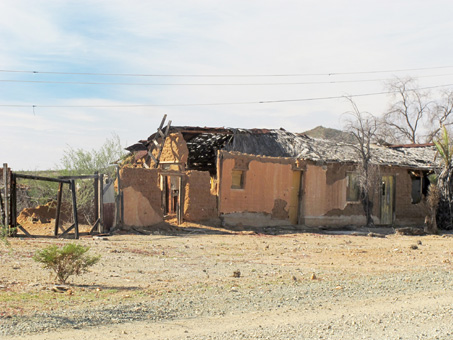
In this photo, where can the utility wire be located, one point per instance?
(223, 103)
(211, 84)
(227, 75)
(219, 104)
(195, 104)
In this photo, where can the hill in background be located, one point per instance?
(330, 134)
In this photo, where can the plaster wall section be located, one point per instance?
(406, 213)
(323, 194)
(268, 186)
(324, 199)
(142, 197)
(200, 204)
(325, 204)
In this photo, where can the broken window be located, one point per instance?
(352, 187)
(237, 181)
(416, 191)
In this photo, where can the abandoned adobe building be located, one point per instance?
(260, 177)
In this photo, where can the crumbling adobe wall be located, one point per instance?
(406, 213)
(46, 214)
(200, 203)
(174, 150)
(324, 200)
(266, 196)
(142, 197)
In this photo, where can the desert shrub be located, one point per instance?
(71, 259)
(77, 162)
(3, 235)
(84, 162)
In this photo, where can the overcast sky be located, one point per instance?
(281, 59)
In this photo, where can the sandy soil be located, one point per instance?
(285, 282)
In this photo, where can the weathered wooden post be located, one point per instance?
(180, 208)
(118, 201)
(2, 208)
(58, 212)
(13, 211)
(96, 196)
(74, 208)
(6, 194)
(101, 204)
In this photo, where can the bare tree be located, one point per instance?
(444, 147)
(440, 116)
(363, 126)
(403, 122)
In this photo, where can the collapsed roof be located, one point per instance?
(203, 144)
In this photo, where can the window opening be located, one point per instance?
(352, 189)
(237, 179)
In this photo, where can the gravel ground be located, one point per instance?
(284, 301)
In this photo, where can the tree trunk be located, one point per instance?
(445, 209)
(368, 209)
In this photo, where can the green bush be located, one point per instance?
(71, 259)
(76, 162)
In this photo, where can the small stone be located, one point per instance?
(59, 289)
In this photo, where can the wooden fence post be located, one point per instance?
(101, 204)
(74, 208)
(118, 216)
(13, 211)
(96, 196)
(58, 212)
(6, 194)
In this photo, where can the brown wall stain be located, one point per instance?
(279, 210)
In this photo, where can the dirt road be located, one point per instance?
(215, 284)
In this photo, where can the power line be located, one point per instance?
(211, 84)
(227, 75)
(194, 104)
(220, 104)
